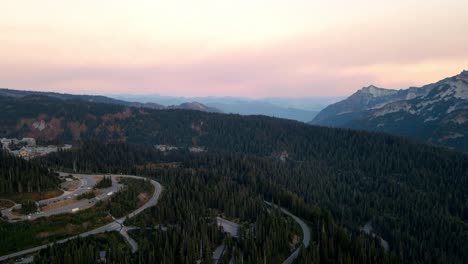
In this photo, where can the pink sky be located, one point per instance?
(237, 48)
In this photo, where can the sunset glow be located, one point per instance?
(238, 48)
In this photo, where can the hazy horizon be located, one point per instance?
(222, 48)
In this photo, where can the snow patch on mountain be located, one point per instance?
(450, 136)
(456, 88)
(411, 95)
(461, 90)
(424, 104)
(393, 108)
(459, 119)
(431, 118)
(451, 109)
(377, 92)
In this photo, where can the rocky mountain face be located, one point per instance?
(436, 113)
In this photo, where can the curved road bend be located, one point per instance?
(87, 182)
(114, 226)
(305, 232)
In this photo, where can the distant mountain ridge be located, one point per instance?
(301, 109)
(106, 100)
(193, 106)
(435, 113)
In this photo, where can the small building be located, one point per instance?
(24, 152)
(65, 147)
(197, 149)
(164, 148)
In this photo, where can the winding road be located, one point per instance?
(87, 183)
(305, 232)
(116, 225)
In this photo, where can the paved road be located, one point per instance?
(228, 226)
(305, 232)
(218, 253)
(117, 225)
(132, 243)
(87, 183)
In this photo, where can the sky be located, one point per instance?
(261, 48)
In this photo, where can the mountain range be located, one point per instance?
(436, 113)
(353, 177)
(300, 109)
(107, 100)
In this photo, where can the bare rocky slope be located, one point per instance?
(436, 113)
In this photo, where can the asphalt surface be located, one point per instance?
(132, 243)
(87, 183)
(228, 226)
(117, 225)
(305, 232)
(218, 253)
(305, 241)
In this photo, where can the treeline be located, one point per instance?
(117, 157)
(106, 182)
(126, 200)
(18, 175)
(79, 121)
(28, 207)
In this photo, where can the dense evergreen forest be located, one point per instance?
(78, 121)
(413, 195)
(106, 182)
(18, 175)
(87, 250)
(181, 227)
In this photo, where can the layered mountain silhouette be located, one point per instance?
(435, 113)
(107, 100)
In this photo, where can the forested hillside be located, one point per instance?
(413, 195)
(50, 119)
(18, 175)
(200, 187)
